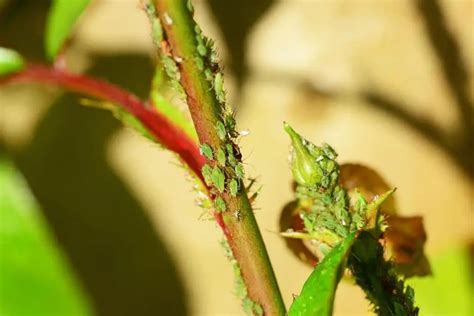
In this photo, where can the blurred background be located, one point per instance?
(96, 220)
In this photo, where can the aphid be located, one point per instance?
(232, 161)
(197, 30)
(206, 171)
(221, 159)
(201, 48)
(234, 187)
(230, 124)
(220, 204)
(206, 151)
(208, 74)
(221, 132)
(199, 63)
(218, 179)
(190, 7)
(171, 69)
(239, 171)
(229, 149)
(219, 87)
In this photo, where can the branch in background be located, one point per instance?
(159, 126)
(202, 81)
(448, 51)
(460, 150)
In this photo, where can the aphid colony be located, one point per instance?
(224, 171)
(227, 172)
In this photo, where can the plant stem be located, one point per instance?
(171, 136)
(238, 220)
(386, 291)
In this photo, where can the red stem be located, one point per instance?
(166, 132)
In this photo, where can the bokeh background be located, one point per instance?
(387, 83)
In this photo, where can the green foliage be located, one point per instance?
(34, 277)
(450, 290)
(61, 19)
(173, 113)
(10, 61)
(317, 295)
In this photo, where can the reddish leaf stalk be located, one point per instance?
(171, 136)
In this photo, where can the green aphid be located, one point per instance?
(221, 157)
(221, 131)
(206, 151)
(171, 69)
(220, 204)
(209, 74)
(219, 87)
(239, 171)
(206, 171)
(201, 46)
(230, 149)
(329, 151)
(234, 187)
(200, 63)
(230, 123)
(190, 6)
(218, 179)
(197, 30)
(232, 161)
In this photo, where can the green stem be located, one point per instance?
(238, 220)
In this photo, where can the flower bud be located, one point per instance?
(304, 166)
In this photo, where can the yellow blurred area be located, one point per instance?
(309, 61)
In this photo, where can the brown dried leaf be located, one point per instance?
(405, 238)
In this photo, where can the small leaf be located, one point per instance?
(317, 295)
(10, 61)
(61, 19)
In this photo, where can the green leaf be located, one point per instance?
(10, 61)
(449, 291)
(34, 276)
(317, 295)
(61, 19)
(174, 114)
